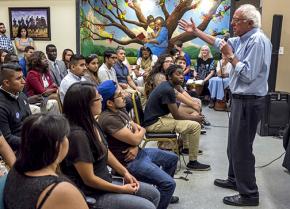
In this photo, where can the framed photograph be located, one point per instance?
(35, 19)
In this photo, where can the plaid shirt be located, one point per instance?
(5, 43)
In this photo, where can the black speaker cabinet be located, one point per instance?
(277, 114)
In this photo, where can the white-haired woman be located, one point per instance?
(204, 70)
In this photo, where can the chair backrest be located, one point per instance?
(2, 185)
(137, 118)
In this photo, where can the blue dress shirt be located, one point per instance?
(253, 50)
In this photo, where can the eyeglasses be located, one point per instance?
(120, 94)
(171, 61)
(237, 20)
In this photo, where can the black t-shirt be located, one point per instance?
(157, 104)
(111, 122)
(81, 149)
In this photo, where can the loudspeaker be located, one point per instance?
(276, 116)
(275, 39)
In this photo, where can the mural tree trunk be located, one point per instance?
(113, 14)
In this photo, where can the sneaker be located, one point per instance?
(205, 122)
(203, 131)
(200, 152)
(197, 166)
(174, 199)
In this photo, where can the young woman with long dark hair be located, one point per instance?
(88, 156)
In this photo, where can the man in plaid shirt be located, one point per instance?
(5, 42)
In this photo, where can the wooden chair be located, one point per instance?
(158, 137)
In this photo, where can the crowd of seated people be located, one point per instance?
(96, 100)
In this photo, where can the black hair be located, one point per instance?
(157, 68)
(75, 58)
(19, 31)
(7, 58)
(172, 69)
(173, 51)
(7, 70)
(91, 58)
(41, 137)
(1, 23)
(145, 48)
(27, 48)
(77, 109)
(108, 53)
(49, 46)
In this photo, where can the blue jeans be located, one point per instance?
(147, 197)
(146, 168)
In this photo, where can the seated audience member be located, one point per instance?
(161, 102)
(144, 65)
(157, 76)
(22, 40)
(178, 45)
(75, 74)
(88, 156)
(57, 67)
(91, 74)
(106, 71)
(24, 61)
(11, 58)
(187, 72)
(39, 82)
(33, 182)
(6, 152)
(124, 136)
(14, 107)
(205, 69)
(66, 55)
(220, 82)
(3, 53)
(122, 72)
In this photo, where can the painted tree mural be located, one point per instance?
(104, 14)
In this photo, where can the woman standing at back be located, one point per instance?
(33, 181)
(22, 40)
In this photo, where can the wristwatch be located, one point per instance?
(231, 58)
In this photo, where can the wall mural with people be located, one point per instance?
(154, 23)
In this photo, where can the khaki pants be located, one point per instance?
(190, 131)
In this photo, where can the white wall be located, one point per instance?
(62, 21)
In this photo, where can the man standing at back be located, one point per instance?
(57, 67)
(5, 42)
(250, 56)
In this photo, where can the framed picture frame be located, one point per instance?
(35, 19)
